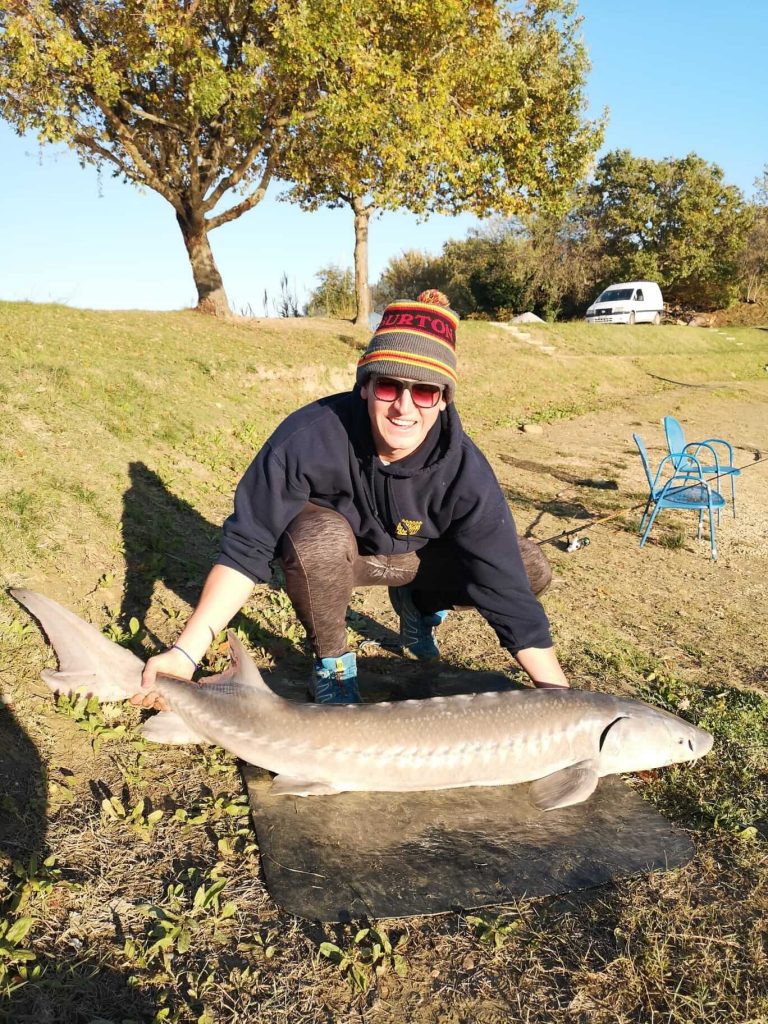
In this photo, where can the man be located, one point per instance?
(377, 486)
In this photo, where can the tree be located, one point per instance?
(410, 273)
(438, 107)
(753, 260)
(185, 97)
(673, 221)
(543, 263)
(335, 294)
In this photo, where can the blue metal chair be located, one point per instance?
(678, 483)
(722, 465)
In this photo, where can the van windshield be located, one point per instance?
(616, 295)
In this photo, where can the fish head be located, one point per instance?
(646, 737)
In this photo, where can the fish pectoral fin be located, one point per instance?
(168, 727)
(571, 785)
(284, 785)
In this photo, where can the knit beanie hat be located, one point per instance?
(415, 340)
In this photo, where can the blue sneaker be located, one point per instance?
(334, 680)
(417, 631)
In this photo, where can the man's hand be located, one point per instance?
(225, 592)
(169, 663)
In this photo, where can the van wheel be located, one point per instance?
(657, 319)
(631, 318)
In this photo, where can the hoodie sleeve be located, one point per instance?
(495, 577)
(269, 496)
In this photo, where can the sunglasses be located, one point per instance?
(389, 389)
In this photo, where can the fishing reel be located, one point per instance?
(577, 542)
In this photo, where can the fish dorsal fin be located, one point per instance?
(244, 668)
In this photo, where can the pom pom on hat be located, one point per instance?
(415, 339)
(434, 297)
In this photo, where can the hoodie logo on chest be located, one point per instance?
(408, 527)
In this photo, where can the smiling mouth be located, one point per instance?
(402, 424)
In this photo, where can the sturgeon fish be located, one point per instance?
(561, 741)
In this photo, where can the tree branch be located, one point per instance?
(234, 179)
(249, 202)
(88, 142)
(125, 137)
(144, 115)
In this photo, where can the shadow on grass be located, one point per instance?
(594, 483)
(79, 993)
(165, 539)
(56, 989)
(22, 794)
(558, 508)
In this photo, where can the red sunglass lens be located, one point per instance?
(425, 395)
(386, 390)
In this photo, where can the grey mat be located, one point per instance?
(340, 858)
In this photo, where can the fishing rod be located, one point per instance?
(580, 543)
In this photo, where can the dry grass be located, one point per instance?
(121, 439)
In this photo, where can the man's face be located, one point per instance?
(398, 426)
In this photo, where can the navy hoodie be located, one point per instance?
(324, 453)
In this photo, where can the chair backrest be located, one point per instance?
(675, 437)
(644, 456)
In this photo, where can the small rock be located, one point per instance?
(526, 318)
(532, 428)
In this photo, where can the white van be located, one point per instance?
(628, 303)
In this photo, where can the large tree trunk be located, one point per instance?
(362, 295)
(211, 297)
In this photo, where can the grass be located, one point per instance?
(130, 885)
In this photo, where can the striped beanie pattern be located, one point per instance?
(416, 340)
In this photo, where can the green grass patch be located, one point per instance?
(122, 437)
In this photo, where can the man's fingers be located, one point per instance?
(150, 700)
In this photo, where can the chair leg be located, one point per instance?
(712, 541)
(700, 530)
(645, 513)
(650, 524)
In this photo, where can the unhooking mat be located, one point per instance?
(378, 855)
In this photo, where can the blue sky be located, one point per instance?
(678, 76)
